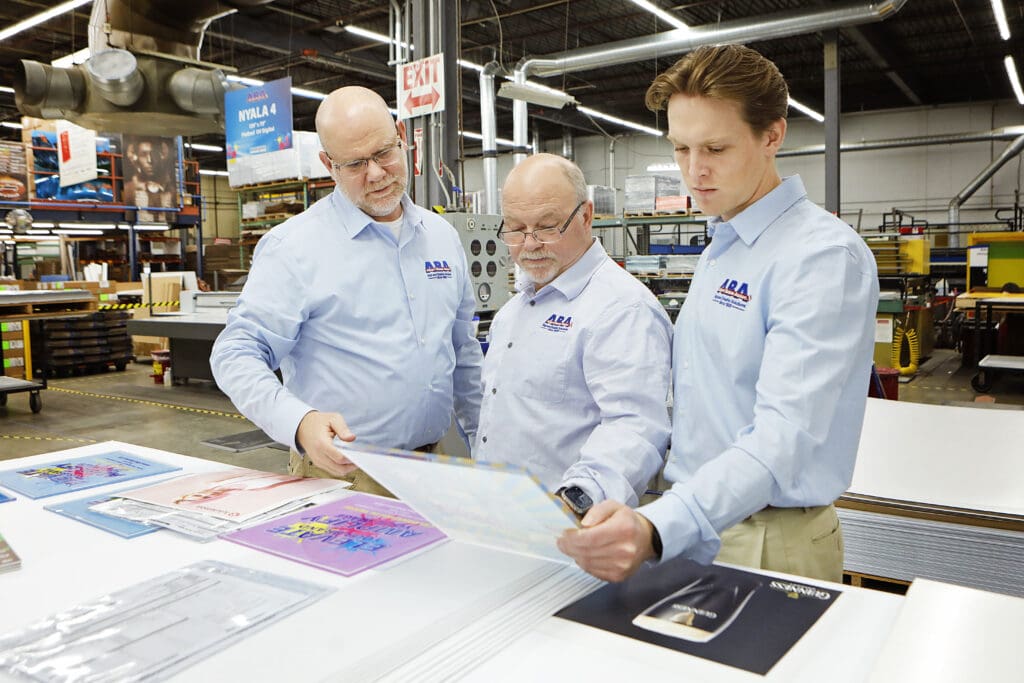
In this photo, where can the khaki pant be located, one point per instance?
(299, 466)
(802, 541)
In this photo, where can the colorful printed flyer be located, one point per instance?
(346, 536)
(5, 498)
(87, 472)
(79, 510)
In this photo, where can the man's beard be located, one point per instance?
(538, 274)
(382, 207)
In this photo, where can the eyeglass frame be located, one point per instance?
(357, 167)
(533, 233)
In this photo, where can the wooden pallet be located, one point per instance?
(25, 310)
(658, 214)
(268, 217)
(875, 582)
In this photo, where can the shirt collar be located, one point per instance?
(354, 220)
(756, 218)
(575, 278)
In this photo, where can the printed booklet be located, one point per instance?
(76, 474)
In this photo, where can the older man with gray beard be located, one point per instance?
(363, 302)
(576, 377)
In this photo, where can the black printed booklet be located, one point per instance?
(737, 618)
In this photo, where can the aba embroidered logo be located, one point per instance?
(557, 323)
(437, 270)
(733, 294)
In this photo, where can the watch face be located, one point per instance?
(577, 499)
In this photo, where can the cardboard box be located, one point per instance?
(678, 203)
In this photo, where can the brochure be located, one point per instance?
(346, 536)
(491, 505)
(79, 510)
(235, 495)
(65, 476)
(738, 618)
(5, 498)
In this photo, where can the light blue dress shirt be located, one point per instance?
(376, 328)
(772, 357)
(576, 380)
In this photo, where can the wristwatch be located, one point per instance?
(576, 498)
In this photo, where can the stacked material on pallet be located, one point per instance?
(644, 265)
(936, 494)
(683, 264)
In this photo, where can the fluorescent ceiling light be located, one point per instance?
(660, 13)
(41, 17)
(622, 122)
(70, 232)
(466, 64)
(91, 226)
(204, 148)
(5, 88)
(10, 124)
(373, 35)
(298, 92)
(67, 61)
(206, 171)
(1000, 12)
(804, 109)
(542, 96)
(476, 136)
(1011, 71)
(34, 238)
(42, 224)
(37, 231)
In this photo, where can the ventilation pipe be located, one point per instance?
(488, 131)
(769, 27)
(143, 75)
(1012, 150)
(1005, 133)
(568, 148)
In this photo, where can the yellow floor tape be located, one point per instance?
(158, 404)
(18, 437)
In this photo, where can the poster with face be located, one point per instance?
(150, 175)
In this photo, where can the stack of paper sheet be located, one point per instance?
(937, 493)
(906, 548)
(207, 505)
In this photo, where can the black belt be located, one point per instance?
(427, 447)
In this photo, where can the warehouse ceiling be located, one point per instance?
(931, 52)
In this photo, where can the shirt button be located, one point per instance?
(422, 341)
(686, 364)
(494, 390)
(412, 297)
(711, 262)
(510, 345)
(484, 439)
(533, 303)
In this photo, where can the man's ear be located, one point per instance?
(325, 160)
(774, 136)
(400, 127)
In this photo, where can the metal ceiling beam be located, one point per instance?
(882, 58)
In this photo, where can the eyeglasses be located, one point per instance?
(388, 156)
(515, 238)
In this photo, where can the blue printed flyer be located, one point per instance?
(5, 498)
(79, 510)
(76, 474)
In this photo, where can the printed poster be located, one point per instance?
(738, 618)
(76, 154)
(151, 175)
(13, 172)
(65, 476)
(258, 120)
(346, 536)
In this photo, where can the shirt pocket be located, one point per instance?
(545, 375)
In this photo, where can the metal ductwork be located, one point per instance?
(769, 27)
(1012, 150)
(142, 76)
(489, 133)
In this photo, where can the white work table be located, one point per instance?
(388, 615)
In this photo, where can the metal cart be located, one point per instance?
(991, 364)
(12, 385)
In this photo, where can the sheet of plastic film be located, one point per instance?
(156, 628)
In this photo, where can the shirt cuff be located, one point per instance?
(285, 429)
(681, 531)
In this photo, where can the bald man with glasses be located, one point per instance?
(576, 376)
(363, 302)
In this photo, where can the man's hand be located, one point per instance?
(316, 434)
(614, 541)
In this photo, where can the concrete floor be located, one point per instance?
(128, 406)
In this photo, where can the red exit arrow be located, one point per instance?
(431, 99)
